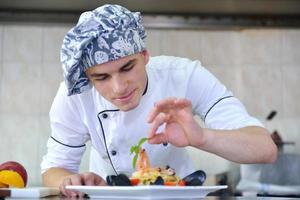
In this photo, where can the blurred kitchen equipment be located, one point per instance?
(281, 178)
(271, 115)
(275, 134)
(285, 171)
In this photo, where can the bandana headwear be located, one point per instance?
(105, 34)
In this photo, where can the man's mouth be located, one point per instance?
(126, 97)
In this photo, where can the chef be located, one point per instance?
(114, 94)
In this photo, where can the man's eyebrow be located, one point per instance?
(128, 63)
(95, 75)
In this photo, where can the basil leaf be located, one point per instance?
(142, 141)
(132, 149)
(134, 160)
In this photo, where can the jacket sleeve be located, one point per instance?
(217, 106)
(66, 145)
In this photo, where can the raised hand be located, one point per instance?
(181, 129)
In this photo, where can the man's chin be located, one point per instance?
(127, 107)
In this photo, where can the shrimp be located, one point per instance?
(143, 161)
(148, 175)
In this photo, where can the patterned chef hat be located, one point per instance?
(105, 34)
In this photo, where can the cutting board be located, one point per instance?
(30, 192)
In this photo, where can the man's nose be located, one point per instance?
(119, 85)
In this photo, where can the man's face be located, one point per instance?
(122, 82)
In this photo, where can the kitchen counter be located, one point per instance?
(217, 193)
(206, 198)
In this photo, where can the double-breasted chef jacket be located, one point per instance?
(88, 116)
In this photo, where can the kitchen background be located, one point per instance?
(261, 65)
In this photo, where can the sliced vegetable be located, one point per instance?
(181, 183)
(170, 183)
(134, 181)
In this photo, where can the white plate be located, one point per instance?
(146, 192)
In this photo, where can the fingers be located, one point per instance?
(160, 119)
(155, 111)
(63, 189)
(158, 139)
(182, 103)
(92, 179)
(71, 180)
(88, 178)
(168, 105)
(100, 181)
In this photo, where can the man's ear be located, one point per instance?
(146, 56)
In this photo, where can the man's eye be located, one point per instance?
(101, 78)
(127, 68)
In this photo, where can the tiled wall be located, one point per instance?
(261, 67)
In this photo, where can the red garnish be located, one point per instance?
(170, 183)
(181, 183)
(134, 181)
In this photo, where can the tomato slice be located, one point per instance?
(134, 181)
(181, 183)
(170, 183)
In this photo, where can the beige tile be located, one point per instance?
(229, 76)
(220, 48)
(6, 150)
(153, 42)
(260, 47)
(261, 90)
(1, 56)
(1, 45)
(291, 91)
(44, 134)
(52, 40)
(1, 83)
(35, 177)
(182, 43)
(51, 76)
(291, 47)
(20, 88)
(22, 139)
(22, 43)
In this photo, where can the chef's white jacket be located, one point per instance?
(88, 116)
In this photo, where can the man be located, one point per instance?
(114, 94)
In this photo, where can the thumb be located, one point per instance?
(158, 139)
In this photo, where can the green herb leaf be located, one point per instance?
(134, 160)
(133, 149)
(142, 141)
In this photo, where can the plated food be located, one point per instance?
(145, 174)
